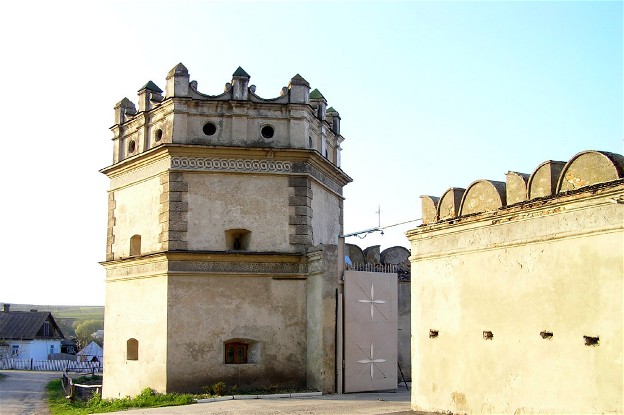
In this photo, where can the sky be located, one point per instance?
(432, 95)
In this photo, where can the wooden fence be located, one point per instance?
(50, 365)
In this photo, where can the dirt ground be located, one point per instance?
(23, 392)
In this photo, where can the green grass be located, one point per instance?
(59, 405)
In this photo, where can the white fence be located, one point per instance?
(50, 365)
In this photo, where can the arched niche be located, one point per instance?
(516, 187)
(483, 196)
(429, 209)
(448, 207)
(543, 181)
(590, 167)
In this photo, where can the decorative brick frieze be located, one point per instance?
(237, 267)
(236, 165)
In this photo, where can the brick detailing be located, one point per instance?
(110, 235)
(300, 219)
(173, 212)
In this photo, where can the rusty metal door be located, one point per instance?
(371, 332)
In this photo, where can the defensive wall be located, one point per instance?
(517, 307)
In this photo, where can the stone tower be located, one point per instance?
(223, 219)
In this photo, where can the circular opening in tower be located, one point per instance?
(210, 128)
(267, 131)
(158, 135)
(131, 146)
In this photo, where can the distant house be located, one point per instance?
(28, 334)
(91, 353)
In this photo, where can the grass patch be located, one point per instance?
(59, 405)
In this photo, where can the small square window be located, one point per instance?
(236, 353)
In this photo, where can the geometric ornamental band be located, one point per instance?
(198, 163)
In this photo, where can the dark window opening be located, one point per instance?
(135, 245)
(237, 239)
(310, 142)
(210, 128)
(131, 146)
(236, 353)
(158, 135)
(132, 349)
(267, 131)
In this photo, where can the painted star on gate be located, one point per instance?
(370, 360)
(373, 302)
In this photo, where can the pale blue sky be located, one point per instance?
(431, 94)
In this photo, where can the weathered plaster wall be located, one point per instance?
(218, 202)
(206, 311)
(325, 208)
(136, 213)
(139, 312)
(551, 267)
(405, 330)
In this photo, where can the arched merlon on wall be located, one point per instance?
(429, 209)
(516, 187)
(483, 196)
(448, 208)
(590, 167)
(543, 181)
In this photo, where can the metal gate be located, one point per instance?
(370, 326)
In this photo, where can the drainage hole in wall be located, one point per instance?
(591, 341)
(488, 335)
(546, 335)
(209, 128)
(433, 334)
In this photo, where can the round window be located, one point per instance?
(267, 131)
(131, 146)
(158, 135)
(210, 128)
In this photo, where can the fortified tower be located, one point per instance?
(223, 219)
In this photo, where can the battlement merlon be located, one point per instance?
(297, 118)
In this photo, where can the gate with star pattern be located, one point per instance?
(370, 331)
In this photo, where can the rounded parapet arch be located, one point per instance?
(395, 255)
(429, 209)
(590, 167)
(516, 187)
(543, 181)
(448, 206)
(483, 196)
(355, 254)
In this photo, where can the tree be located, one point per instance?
(85, 330)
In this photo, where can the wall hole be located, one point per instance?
(132, 349)
(237, 239)
(433, 334)
(309, 142)
(158, 135)
(488, 335)
(131, 146)
(267, 131)
(209, 128)
(591, 341)
(547, 335)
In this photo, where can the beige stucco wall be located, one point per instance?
(326, 211)
(136, 213)
(140, 312)
(555, 267)
(206, 311)
(218, 202)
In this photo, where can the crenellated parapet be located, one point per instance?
(297, 118)
(550, 179)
